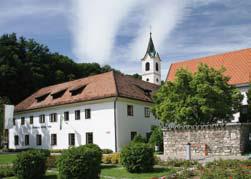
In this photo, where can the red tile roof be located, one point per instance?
(236, 63)
(110, 84)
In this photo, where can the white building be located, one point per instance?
(108, 109)
(237, 66)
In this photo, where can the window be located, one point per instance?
(147, 112)
(87, 113)
(130, 110)
(157, 67)
(77, 115)
(157, 80)
(16, 140)
(133, 134)
(31, 119)
(39, 139)
(14, 121)
(148, 135)
(42, 97)
(66, 116)
(53, 139)
(77, 90)
(26, 140)
(147, 66)
(42, 118)
(71, 139)
(89, 138)
(22, 120)
(58, 94)
(53, 117)
(147, 79)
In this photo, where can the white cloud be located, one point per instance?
(94, 27)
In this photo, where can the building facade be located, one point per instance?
(108, 109)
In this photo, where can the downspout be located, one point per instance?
(115, 124)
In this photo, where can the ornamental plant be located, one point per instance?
(30, 164)
(137, 157)
(83, 162)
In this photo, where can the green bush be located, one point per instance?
(107, 151)
(6, 171)
(139, 138)
(80, 162)
(137, 157)
(30, 164)
(156, 138)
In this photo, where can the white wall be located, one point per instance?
(138, 122)
(101, 124)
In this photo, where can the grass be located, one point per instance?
(120, 172)
(49, 175)
(7, 158)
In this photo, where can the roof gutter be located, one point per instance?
(115, 124)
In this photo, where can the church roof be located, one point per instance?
(150, 48)
(105, 85)
(236, 63)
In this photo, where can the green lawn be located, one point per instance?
(7, 158)
(120, 172)
(48, 176)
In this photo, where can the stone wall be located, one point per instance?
(207, 140)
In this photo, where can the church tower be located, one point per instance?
(151, 64)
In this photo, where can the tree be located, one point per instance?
(204, 97)
(156, 138)
(26, 66)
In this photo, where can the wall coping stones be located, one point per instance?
(200, 127)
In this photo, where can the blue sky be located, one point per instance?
(116, 32)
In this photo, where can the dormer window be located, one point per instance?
(42, 97)
(77, 90)
(147, 66)
(58, 94)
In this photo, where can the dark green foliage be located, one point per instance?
(137, 76)
(137, 157)
(156, 138)
(107, 151)
(204, 97)
(26, 66)
(82, 162)
(6, 171)
(30, 164)
(139, 139)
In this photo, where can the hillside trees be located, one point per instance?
(26, 66)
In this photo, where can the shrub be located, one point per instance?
(156, 138)
(139, 138)
(107, 151)
(80, 162)
(137, 157)
(106, 158)
(30, 164)
(115, 159)
(6, 171)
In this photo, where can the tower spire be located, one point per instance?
(150, 48)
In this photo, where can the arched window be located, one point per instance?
(147, 66)
(157, 67)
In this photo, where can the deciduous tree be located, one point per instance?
(204, 97)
